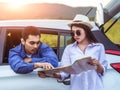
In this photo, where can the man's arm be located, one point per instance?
(17, 63)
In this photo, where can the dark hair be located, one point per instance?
(30, 30)
(88, 33)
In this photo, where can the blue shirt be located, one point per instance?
(44, 54)
(91, 79)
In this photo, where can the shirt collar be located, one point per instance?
(91, 44)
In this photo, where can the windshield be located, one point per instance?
(112, 29)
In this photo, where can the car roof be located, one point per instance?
(47, 23)
(44, 23)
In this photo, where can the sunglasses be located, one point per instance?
(78, 33)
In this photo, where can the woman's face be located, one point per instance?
(78, 34)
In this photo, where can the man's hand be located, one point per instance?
(44, 65)
(27, 60)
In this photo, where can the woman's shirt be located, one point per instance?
(90, 80)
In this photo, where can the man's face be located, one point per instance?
(31, 44)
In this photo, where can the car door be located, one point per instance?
(9, 80)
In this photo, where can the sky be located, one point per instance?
(73, 3)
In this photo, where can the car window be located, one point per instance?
(112, 29)
(57, 41)
(51, 40)
(64, 40)
(12, 39)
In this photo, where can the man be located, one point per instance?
(31, 53)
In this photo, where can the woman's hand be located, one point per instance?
(42, 74)
(95, 62)
(57, 75)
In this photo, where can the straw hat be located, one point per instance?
(81, 19)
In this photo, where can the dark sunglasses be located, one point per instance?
(78, 33)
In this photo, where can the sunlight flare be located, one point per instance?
(14, 4)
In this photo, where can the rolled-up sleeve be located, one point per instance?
(102, 59)
(17, 63)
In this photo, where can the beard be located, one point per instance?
(33, 51)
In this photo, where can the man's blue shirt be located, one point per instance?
(17, 55)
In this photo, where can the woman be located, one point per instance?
(85, 45)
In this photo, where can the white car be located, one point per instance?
(10, 33)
